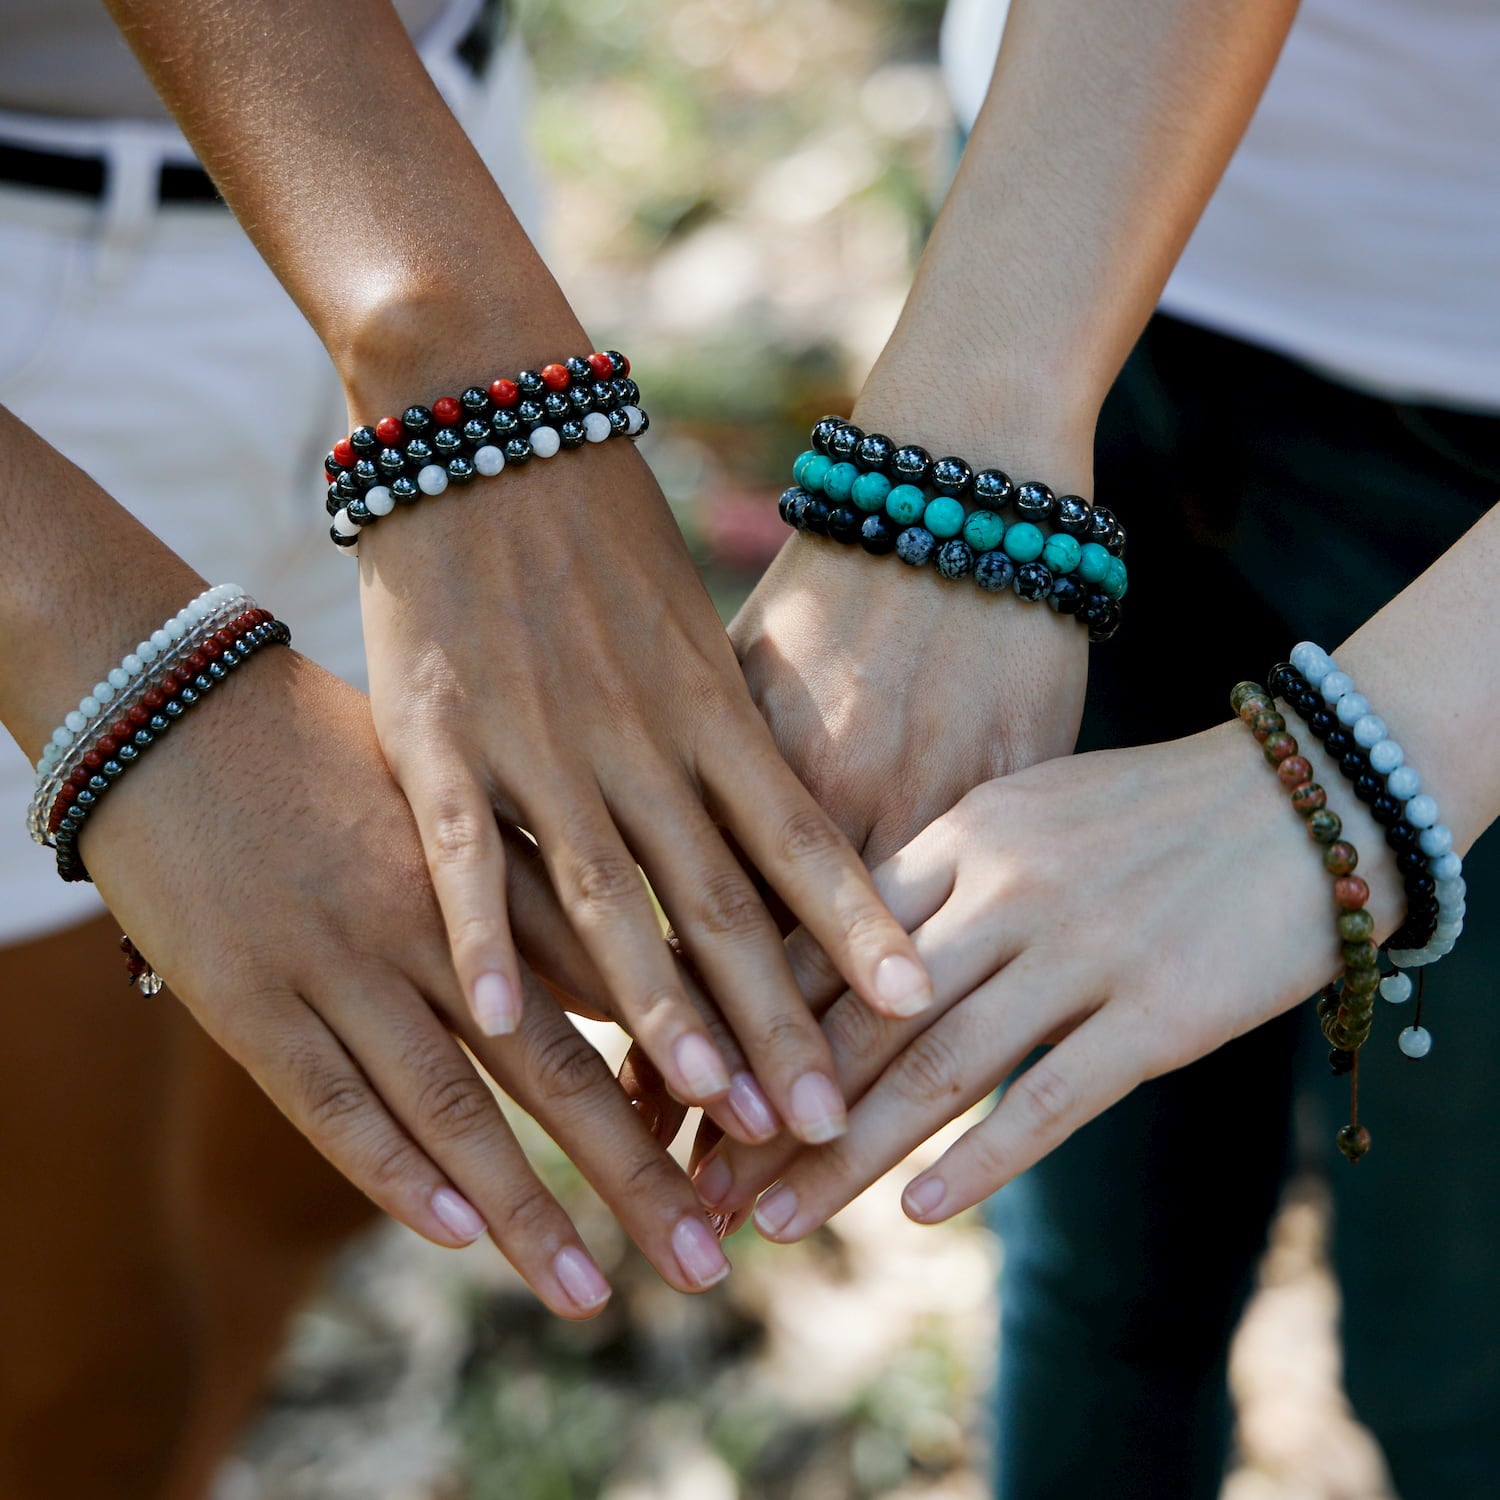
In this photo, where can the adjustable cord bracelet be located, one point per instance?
(424, 450)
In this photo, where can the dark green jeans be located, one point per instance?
(1265, 505)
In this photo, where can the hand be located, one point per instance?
(543, 647)
(1132, 910)
(267, 864)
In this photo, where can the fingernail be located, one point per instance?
(698, 1253)
(924, 1196)
(902, 985)
(700, 1066)
(580, 1278)
(775, 1210)
(457, 1215)
(818, 1109)
(751, 1108)
(713, 1179)
(497, 1006)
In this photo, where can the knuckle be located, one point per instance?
(455, 836)
(453, 1107)
(1042, 1094)
(807, 834)
(393, 1165)
(564, 1067)
(525, 1214)
(856, 1032)
(785, 1035)
(928, 1071)
(729, 907)
(605, 884)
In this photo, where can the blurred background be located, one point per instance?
(739, 190)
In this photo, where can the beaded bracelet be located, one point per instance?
(1346, 1005)
(479, 433)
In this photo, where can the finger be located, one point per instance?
(437, 1093)
(1090, 1069)
(466, 859)
(643, 1085)
(554, 1074)
(314, 1082)
(800, 850)
(726, 930)
(605, 898)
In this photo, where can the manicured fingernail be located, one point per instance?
(698, 1253)
(903, 986)
(751, 1108)
(818, 1109)
(580, 1278)
(924, 1197)
(497, 1006)
(700, 1067)
(457, 1215)
(713, 1179)
(775, 1210)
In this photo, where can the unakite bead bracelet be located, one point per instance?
(1346, 1006)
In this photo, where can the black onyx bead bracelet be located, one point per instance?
(478, 433)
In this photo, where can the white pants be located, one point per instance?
(151, 345)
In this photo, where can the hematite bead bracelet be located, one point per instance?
(478, 434)
(1346, 1006)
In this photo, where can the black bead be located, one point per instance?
(113, 768)
(815, 515)
(98, 783)
(993, 488)
(844, 522)
(617, 359)
(557, 406)
(1107, 622)
(1071, 515)
(173, 708)
(1066, 595)
(1101, 526)
(1034, 580)
(476, 432)
(358, 512)
(911, 465)
(418, 454)
(1115, 546)
(504, 424)
(796, 509)
(331, 465)
(530, 413)
(1280, 680)
(157, 724)
(645, 426)
(619, 423)
(1091, 610)
(627, 392)
(1338, 742)
(366, 474)
(404, 491)
(604, 396)
(346, 487)
(475, 401)
(340, 540)
(517, 450)
(878, 534)
(335, 501)
(1411, 861)
(203, 682)
(579, 368)
(390, 462)
(1340, 1062)
(572, 434)
(823, 430)
(142, 739)
(582, 399)
(843, 443)
(875, 453)
(461, 469)
(1034, 502)
(1368, 786)
(531, 383)
(788, 495)
(417, 420)
(952, 477)
(1321, 721)
(1402, 835)
(1353, 765)
(955, 558)
(994, 572)
(446, 442)
(916, 546)
(1421, 884)
(86, 798)
(1385, 810)
(363, 441)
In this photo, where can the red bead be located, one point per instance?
(224, 637)
(602, 366)
(343, 453)
(79, 776)
(1309, 799)
(1350, 892)
(1295, 770)
(212, 648)
(329, 475)
(122, 731)
(1280, 747)
(447, 411)
(108, 745)
(92, 759)
(389, 430)
(556, 377)
(152, 699)
(1340, 857)
(138, 716)
(197, 661)
(504, 392)
(55, 817)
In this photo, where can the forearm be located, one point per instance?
(357, 185)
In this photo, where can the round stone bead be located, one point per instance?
(994, 572)
(446, 442)
(603, 395)
(1071, 515)
(796, 508)
(800, 462)
(1061, 552)
(1101, 526)
(489, 460)
(343, 526)
(1339, 743)
(1241, 692)
(404, 490)
(556, 377)
(504, 424)
(1034, 580)
(1351, 708)
(1115, 579)
(504, 392)
(1340, 858)
(1361, 955)
(1067, 594)
(984, 530)
(555, 405)
(1415, 1041)
(1421, 811)
(358, 512)
(1386, 757)
(955, 558)
(838, 482)
(788, 496)
(1294, 770)
(1263, 726)
(915, 546)
(1369, 730)
(1115, 546)
(814, 471)
(1353, 1142)
(379, 501)
(1396, 988)
(517, 450)
(1324, 827)
(1103, 617)
(1311, 661)
(390, 461)
(1023, 542)
(637, 422)
(595, 427)
(432, 479)
(1356, 926)
(446, 411)
(905, 504)
(1351, 892)
(877, 535)
(993, 487)
(461, 469)
(823, 430)
(366, 473)
(815, 515)
(1253, 706)
(364, 441)
(1435, 840)
(1033, 501)
(530, 382)
(875, 452)
(843, 523)
(952, 477)
(944, 517)
(1093, 563)
(844, 442)
(531, 414)
(581, 398)
(1447, 867)
(911, 465)
(1403, 783)
(1359, 983)
(870, 491)
(1335, 685)
(545, 442)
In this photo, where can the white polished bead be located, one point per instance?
(1451, 890)
(1454, 913)
(119, 678)
(1436, 840)
(1446, 866)
(75, 721)
(1415, 1041)
(545, 442)
(1352, 707)
(51, 753)
(1334, 686)
(635, 417)
(1313, 662)
(596, 427)
(432, 480)
(1421, 811)
(342, 524)
(62, 736)
(175, 628)
(89, 706)
(146, 651)
(197, 609)
(1369, 731)
(1447, 932)
(1396, 988)
(104, 692)
(160, 639)
(132, 665)
(1386, 757)
(489, 460)
(379, 501)
(1403, 782)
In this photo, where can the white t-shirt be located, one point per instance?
(1358, 225)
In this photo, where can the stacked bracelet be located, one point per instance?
(479, 433)
(862, 488)
(1346, 1006)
